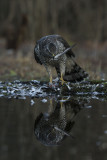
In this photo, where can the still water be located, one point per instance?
(52, 128)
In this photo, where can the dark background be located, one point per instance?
(23, 22)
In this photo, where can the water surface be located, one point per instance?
(53, 128)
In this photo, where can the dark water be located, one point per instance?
(68, 128)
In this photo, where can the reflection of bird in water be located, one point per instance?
(54, 51)
(52, 128)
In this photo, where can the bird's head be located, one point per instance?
(51, 50)
(46, 49)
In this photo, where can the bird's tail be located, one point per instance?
(75, 73)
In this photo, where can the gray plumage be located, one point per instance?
(51, 128)
(50, 47)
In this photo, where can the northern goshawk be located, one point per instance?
(54, 51)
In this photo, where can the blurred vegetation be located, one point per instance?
(24, 19)
(22, 22)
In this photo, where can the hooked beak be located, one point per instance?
(53, 56)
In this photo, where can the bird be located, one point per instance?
(54, 51)
(52, 127)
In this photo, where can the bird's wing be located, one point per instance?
(66, 45)
(37, 55)
(73, 71)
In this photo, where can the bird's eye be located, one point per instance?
(52, 48)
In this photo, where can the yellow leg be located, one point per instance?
(61, 103)
(50, 78)
(50, 110)
(50, 102)
(62, 81)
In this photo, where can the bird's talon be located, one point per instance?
(51, 85)
(62, 81)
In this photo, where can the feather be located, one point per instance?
(60, 54)
(75, 73)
